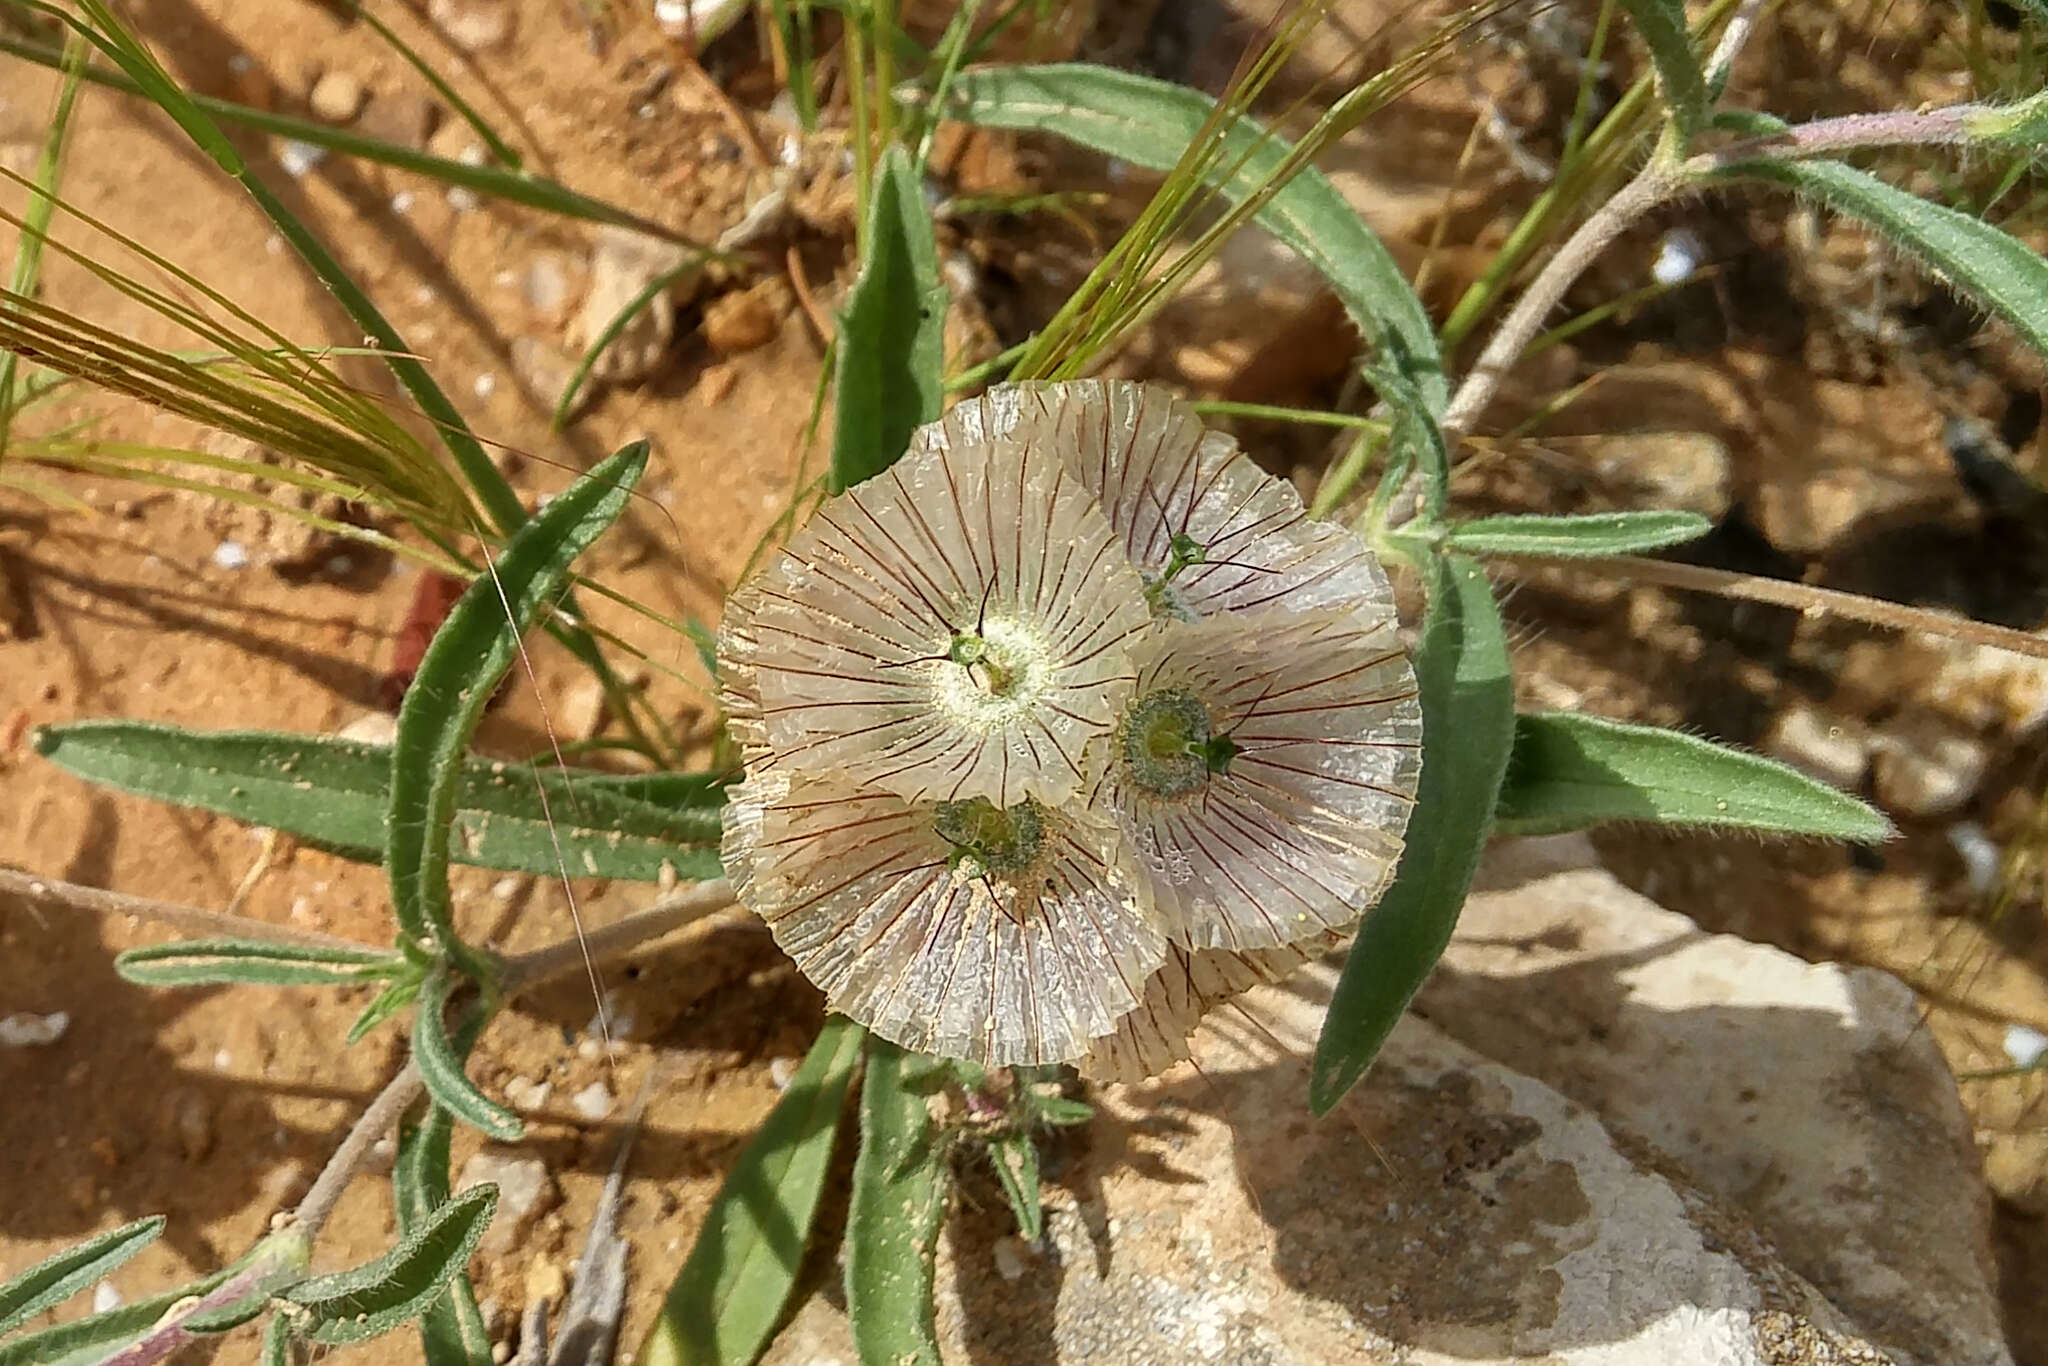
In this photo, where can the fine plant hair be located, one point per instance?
(426, 801)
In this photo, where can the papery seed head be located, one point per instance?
(1005, 936)
(1264, 774)
(958, 626)
(1207, 528)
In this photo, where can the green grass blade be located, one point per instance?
(1570, 772)
(1468, 726)
(106, 32)
(335, 794)
(899, 1202)
(737, 1280)
(492, 182)
(1993, 268)
(35, 224)
(1151, 124)
(58, 1278)
(440, 1056)
(1680, 78)
(1603, 533)
(1015, 1158)
(892, 336)
(371, 1300)
(503, 151)
(462, 666)
(257, 962)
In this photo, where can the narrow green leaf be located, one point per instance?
(371, 1300)
(57, 1279)
(1570, 772)
(1680, 79)
(452, 1329)
(1991, 267)
(1468, 726)
(1015, 1158)
(735, 1284)
(35, 226)
(383, 1006)
(462, 667)
(441, 1062)
(1601, 533)
(334, 794)
(277, 1341)
(81, 1338)
(892, 335)
(277, 1262)
(1150, 123)
(258, 962)
(899, 1201)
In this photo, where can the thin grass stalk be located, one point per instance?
(502, 150)
(35, 223)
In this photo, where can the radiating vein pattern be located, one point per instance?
(1186, 988)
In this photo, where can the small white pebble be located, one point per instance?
(781, 1071)
(486, 384)
(1678, 256)
(2025, 1045)
(527, 1095)
(1008, 1254)
(340, 566)
(462, 199)
(231, 555)
(588, 1049)
(105, 1297)
(298, 158)
(33, 1031)
(402, 202)
(593, 1102)
(508, 887)
(223, 1060)
(1980, 856)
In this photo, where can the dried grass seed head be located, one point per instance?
(1264, 773)
(958, 626)
(1003, 935)
(1207, 528)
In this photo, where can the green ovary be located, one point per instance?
(1003, 840)
(1167, 742)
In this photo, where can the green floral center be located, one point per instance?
(991, 675)
(1001, 840)
(1169, 744)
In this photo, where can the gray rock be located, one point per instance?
(1449, 1211)
(1833, 749)
(1928, 767)
(1807, 1095)
(525, 1192)
(1684, 471)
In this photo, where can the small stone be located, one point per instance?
(1925, 768)
(1683, 471)
(740, 322)
(510, 887)
(621, 268)
(593, 1102)
(105, 1298)
(2025, 1045)
(404, 118)
(526, 1095)
(584, 711)
(26, 1030)
(1979, 853)
(1678, 256)
(337, 97)
(525, 1192)
(299, 158)
(231, 555)
(1008, 1254)
(192, 1118)
(541, 369)
(484, 385)
(1834, 751)
(547, 285)
(371, 728)
(474, 25)
(545, 1280)
(781, 1071)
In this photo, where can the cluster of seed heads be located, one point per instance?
(1065, 728)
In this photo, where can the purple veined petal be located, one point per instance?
(842, 651)
(876, 906)
(1186, 988)
(1160, 473)
(1296, 829)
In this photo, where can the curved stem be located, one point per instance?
(679, 908)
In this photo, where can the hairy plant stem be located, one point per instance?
(672, 912)
(1733, 39)
(73, 896)
(378, 1118)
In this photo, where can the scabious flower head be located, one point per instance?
(1263, 773)
(1008, 935)
(956, 627)
(1184, 989)
(1209, 530)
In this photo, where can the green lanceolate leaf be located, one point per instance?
(80, 1339)
(373, 1299)
(441, 1055)
(334, 794)
(383, 1006)
(452, 1329)
(1570, 772)
(462, 667)
(1992, 268)
(53, 1281)
(1680, 78)
(258, 962)
(734, 1286)
(899, 1201)
(892, 337)
(1151, 123)
(277, 1341)
(1603, 533)
(1468, 726)
(1015, 1158)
